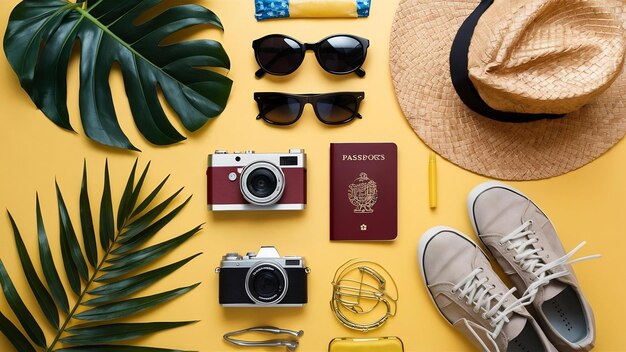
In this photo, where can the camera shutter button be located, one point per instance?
(251, 254)
(232, 256)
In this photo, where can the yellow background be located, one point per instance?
(587, 204)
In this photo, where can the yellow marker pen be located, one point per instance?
(432, 180)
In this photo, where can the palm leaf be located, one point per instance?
(19, 308)
(116, 348)
(86, 221)
(118, 268)
(91, 335)
(142, 222)
(15, 335)
(41, 294)
(107, 224)
(129, 262)
(123, 309)
(42, 33)
(48, 266)
(122, 288)
(150, 197)
(129, 243)
(71, 242)
(123, 211)
(73, 261)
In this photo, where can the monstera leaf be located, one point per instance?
(39, 42)
(100, 281)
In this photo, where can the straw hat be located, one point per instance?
(555, 63)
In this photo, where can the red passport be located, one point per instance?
(363, 191)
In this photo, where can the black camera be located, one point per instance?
(263, 279)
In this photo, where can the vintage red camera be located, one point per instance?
(251, 181)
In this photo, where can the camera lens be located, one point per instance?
(266, 283)
(262, 183)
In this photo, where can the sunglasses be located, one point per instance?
(331, 109)
(281, 55)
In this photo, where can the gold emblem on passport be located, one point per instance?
(363, 194)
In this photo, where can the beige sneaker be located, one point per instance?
(470, 295)
(523, 241)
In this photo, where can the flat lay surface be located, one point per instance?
(584, 205)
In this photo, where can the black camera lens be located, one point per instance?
(266, 284)
(261, 182)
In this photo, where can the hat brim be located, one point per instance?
(421, 37)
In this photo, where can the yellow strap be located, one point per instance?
(322, 8)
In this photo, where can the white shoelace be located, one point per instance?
(478, 293)
(527, 256)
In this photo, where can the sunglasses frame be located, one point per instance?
(312, 99)
(365, 43)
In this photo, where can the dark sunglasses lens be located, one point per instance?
(280, 109)
(279, 55)
(336, 109)
(341, 54)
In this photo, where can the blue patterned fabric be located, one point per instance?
(267, 9)
(363, 7)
